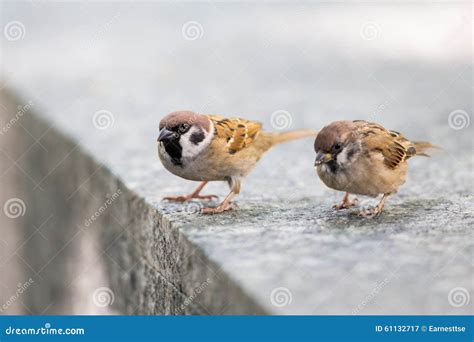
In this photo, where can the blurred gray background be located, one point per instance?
(407, 66)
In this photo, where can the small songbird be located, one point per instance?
(363, 158)
(214, 148)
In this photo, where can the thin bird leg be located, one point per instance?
(346, 203)
(224, 206)
(193, 195)
(375, 211)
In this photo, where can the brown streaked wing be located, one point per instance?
(394, 147)
(238, 133)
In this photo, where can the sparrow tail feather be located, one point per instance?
(278, 138)
(423, 146)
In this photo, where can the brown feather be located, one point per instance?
(238, 133)
(282, 137)
(394, 146)
(377, 138)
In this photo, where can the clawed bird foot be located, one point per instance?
(190, 197)
(374, 211)
(370, 212)
(346, 204)
(220, 209)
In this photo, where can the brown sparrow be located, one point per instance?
(214, 148)
(364, 158)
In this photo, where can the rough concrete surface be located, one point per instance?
(101, 76)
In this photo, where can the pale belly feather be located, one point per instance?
(210, 166)
(360, 179)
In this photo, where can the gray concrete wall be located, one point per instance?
(91, 245)
(11, 237)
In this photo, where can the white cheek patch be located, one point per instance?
(190, 149)
(349, 154)
(325, 168)
(342, 157)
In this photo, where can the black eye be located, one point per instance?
(183, 127)
(337, 147)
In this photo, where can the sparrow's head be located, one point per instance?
(336, 145)
(184, 134)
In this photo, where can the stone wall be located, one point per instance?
(91, 245)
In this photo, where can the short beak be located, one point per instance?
(165, 135)
(322, 158)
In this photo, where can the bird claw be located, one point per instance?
(370, 213)
(207, 197)
(346, 204)
(190, 197)
(218, 210)
(176, 198)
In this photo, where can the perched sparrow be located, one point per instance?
(213, 148)
(361, 157)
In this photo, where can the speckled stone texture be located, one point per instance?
(285, 251)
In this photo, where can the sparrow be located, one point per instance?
(208, 148)
(363, 158)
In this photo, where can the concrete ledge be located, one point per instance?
(87, 230)
(80, 153)
(87, 238)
